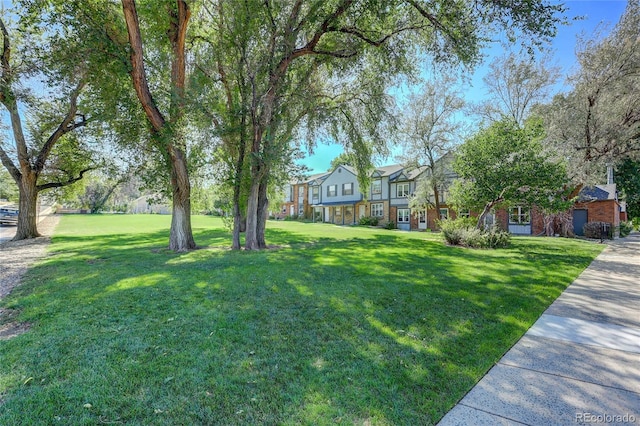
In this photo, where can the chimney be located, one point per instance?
(609, 175)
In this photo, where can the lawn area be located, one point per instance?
(337, 325)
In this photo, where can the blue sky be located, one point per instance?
(594, 12)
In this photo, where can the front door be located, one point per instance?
(579, 220)
(361, 211)
(292, 210)
(422, 219)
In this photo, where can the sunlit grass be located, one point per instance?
(343, 325)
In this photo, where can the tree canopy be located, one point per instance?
(598, 121)
(502, 164)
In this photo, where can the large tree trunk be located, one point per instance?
(181, 235)
(251, 235)
(262, 213)
(28, 215)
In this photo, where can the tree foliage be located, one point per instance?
(515, 84)
(274, 68)
(627, 177)
(430, 129)
(598, 121)
(49, 135)
(502, 164)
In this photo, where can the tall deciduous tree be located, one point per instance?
(598, 121)
(502, 164)
(431, 129)
(29, 162)
(515, 84)
(327, 63)
(168, 129)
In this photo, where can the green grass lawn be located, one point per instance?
(337, 325)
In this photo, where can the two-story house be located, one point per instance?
(334, 199)
(299, 196)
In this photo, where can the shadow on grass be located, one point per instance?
(374, 330)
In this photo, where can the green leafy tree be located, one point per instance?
(276, 67)
(627, 177)
(502, 164)
(48, 150)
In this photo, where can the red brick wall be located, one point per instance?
(602, 211)
(502, 219)
(393, 215)
(537, 221)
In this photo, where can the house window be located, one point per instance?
(464, 213)
(332, 190)
(301, 191)
(377, 210)
(300, 209)
(376, 186)
(315, 191)
(519, 215)
(288, 190)
(338, 211)
(444, 214)
(347, 188)
(403, 215)
(402, 190)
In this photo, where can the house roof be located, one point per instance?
(387, 170)
(598, 193)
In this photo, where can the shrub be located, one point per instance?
(368, 221)
(636, 223)
(496, 238)
(598, 230)
(390, 225)
(625, 228)
(462, 232)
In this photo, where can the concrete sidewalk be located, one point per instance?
(579, 363)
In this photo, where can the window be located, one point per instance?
(315, 191)
(347, 188)
(288, 191)
(519, 215)
(444, 214)
(464, 213)
(301, 191)
(402, 190)
(338, 211)
(377, 210)
(332, 190)
(376, 186)
(300, 209)
(422, 216)
(403, 215)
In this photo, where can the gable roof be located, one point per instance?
(387, 170)
(598, 193)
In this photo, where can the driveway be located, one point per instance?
(6, 233)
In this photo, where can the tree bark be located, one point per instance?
(28, 204)
(251, 235)
(262, 213)
(169, 137)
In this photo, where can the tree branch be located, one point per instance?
(67, 125)
(71, 180)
